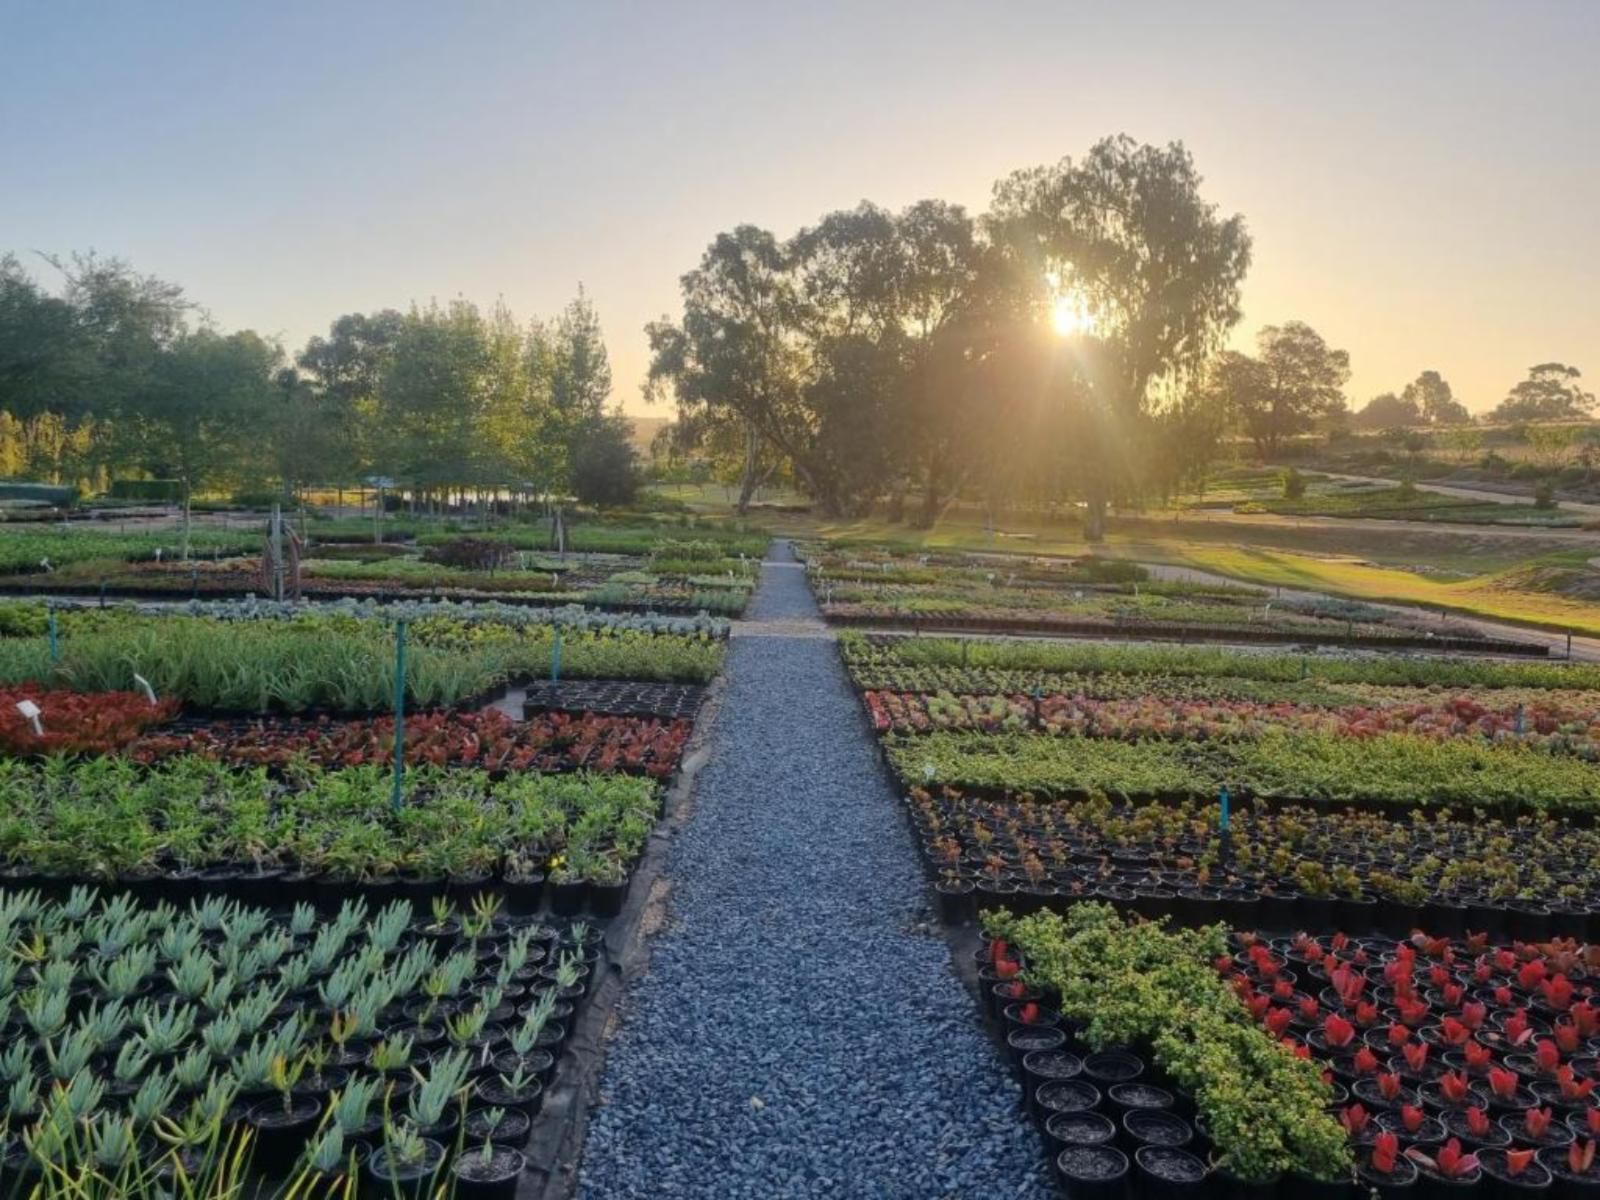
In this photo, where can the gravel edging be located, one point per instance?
(801, 1031)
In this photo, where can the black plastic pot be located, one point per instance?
(1106, 1067)
(1160, 1171)
(1154, 1127)
(1065, 1129)
(410, 1181)
(567, 899)
(1093, 1172)
(956, 903)
(282, 1132)
(1531, 1183)
(496, 1179)
(606, 899)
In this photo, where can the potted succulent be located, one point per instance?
(284, 1123)
(407, 1165)
(491, 1171)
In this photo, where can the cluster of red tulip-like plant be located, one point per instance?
(1439, 1050)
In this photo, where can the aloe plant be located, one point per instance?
(252, 1010)
(193, 1069)
(463, 1027)
(126, 972)
(326, 1155)
(352, 1105)
(387, 928)
(45, 1012)
(112, 1142)
(436, 1089)
(154, 1097)
(71, 1054)
(166, 1029)
(191, 975)
(392, 1054)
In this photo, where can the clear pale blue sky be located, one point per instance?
(1422, 179)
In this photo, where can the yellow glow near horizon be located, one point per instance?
(1068, 316)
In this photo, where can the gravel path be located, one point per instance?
(800, 1032)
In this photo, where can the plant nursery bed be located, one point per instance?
(188, 827)
(614, 697)
(1286, 869)
(1491, 1049)
(1161, 631)
(385, 1034)
(1144, 1073)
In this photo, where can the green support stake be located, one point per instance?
(55, 638)
(399, 713)
(555, 657)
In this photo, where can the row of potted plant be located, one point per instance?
(486, 739)
(1143, 1066)
(1277, 869)
(489, 614)
(66, 722)
(340, 663)
(1037, 660)
(1390, 770)
(1560, 728)
(137, 1037)
(1452, 1061)
(122, 723)
(187, 826)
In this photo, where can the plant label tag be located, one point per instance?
(31, 711)
(928, 772)
(144, 686)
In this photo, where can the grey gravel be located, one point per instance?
(800, 1032)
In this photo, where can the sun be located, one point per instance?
(1069, 316)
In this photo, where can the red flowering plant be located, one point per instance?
(1478, 1123)
(1547, 1056)
(1503, 1082)
(1337, 1032)
(76, 722)
(1535, 1123)
(1449, 1162)
(1573, 1088)
(1580, 1156)
(491, 740)
(1355, 1119)
(1385, 1153)
(1517, 1161)
(1453, 1086)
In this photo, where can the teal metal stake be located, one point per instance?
(1224, 824)
(55, 638)
(399, 713)
(555, 657)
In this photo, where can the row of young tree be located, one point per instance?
(116, 374)
(1065, 345)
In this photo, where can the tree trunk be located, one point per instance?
(1094, 521)
(187, 495)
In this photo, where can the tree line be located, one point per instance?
(116, 373)
(1067, 344)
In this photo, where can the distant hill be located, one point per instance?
(646, 428)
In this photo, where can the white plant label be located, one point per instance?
(144, 686)
(31, 711)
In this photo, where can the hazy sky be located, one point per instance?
(1422, 180)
